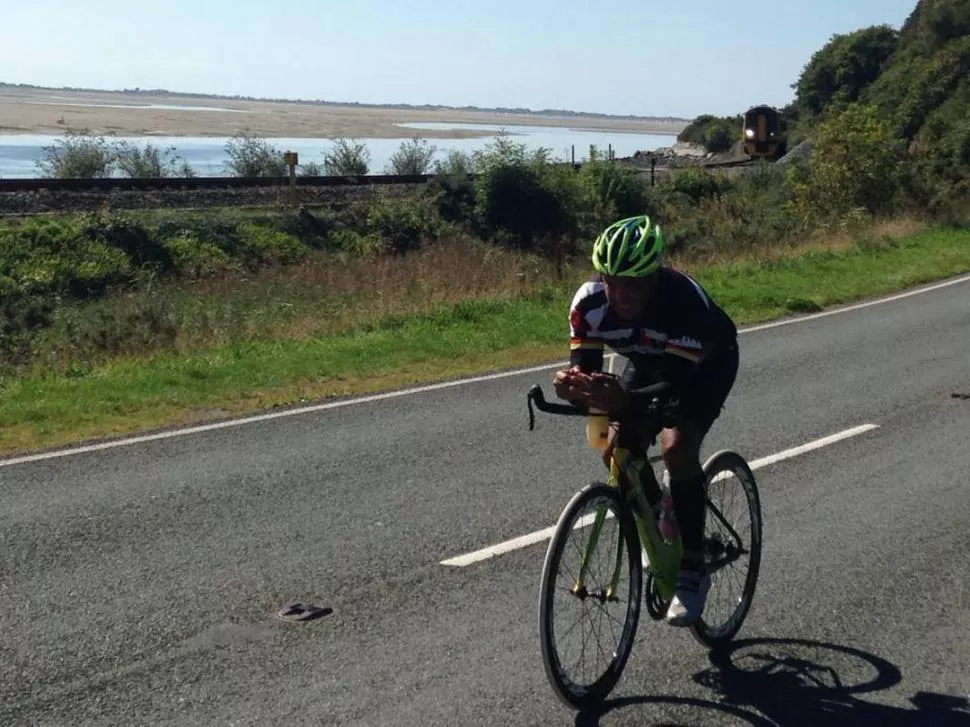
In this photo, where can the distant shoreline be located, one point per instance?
(52, 111)
(165, 93)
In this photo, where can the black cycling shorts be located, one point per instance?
(702, 397)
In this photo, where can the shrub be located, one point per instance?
(453, 189)
(402, 223)
(22, 317)
(520, 198)
(260, 245)
(346, 158)
(610, 191)
(127, 233)
(194, 258)
(856, 163)
(80, 155)
(715, 134)
(250, 156)
(414, 157)
(150, 162)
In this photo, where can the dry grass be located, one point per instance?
(21, 112)
(332, 294)
(327, 294)
(893, 229)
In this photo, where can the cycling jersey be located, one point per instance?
(681, 329)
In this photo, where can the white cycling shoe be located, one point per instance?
(689, 598)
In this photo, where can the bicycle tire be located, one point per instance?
(704, 632)
(573, 694)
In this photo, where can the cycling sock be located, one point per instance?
(690, 505)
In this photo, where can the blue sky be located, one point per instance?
(613, 56)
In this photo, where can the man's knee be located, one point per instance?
(681, 451)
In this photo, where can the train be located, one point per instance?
(763, 133)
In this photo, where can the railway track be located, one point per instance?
(200, 183)
(31, 197)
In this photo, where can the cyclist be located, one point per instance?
(669, 329)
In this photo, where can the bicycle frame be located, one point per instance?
(663, 558)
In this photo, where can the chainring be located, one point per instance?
(656, 605)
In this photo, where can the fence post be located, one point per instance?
(292, 159)
(653, 170)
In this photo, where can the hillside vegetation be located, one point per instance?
(910, 86)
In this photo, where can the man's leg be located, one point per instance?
(681, 447)
(681, 450)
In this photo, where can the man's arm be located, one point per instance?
(585, 342)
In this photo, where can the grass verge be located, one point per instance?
(457, 339)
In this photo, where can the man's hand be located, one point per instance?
(596, 391)
(568, 383)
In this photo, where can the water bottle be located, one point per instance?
(597, 429)
(667, 521)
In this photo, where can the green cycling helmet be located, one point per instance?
(630, 247)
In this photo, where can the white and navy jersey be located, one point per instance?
(681, 328)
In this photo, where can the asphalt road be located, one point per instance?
(140, 584)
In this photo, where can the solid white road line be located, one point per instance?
(432, 387)
(267, 417)
(857, 306)
(524, 541)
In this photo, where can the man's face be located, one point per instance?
(628, 296)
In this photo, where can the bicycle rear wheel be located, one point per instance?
(732, 544)
(590, 613)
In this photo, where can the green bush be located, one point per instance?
(715, 134)
(259, 245)
(402, 223)
(610, 191)
(194, 258)
(856, 163)
(414, 157)
(697, 184)
(250, 156)
(150, 162)
(80, 155)
(347, 240)
(132, 236)
(22, 318)
(520, 198)
(346, 158)
(53, 257)
(453, 189)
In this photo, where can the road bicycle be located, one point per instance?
(617, 533)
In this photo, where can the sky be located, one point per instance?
(643, 58)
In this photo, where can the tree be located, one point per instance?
(838, 74)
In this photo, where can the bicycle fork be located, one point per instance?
(579, 588)
(664, 558)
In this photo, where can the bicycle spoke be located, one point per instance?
(587, 633)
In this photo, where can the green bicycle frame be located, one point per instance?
(663, 558)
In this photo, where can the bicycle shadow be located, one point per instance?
(794, 682)
(800, 682)
(682, 706)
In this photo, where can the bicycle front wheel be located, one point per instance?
(589, 602)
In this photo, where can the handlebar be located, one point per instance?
(536, 395)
